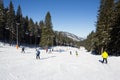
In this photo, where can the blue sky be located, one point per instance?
(74, 16)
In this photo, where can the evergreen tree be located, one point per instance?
(49, 30)
(26, 24)
(31, 30)
(19, 15)
(115, 32)
(90, 42)
(2, 19)
(26, 30)
(11, 22)
(37, 33)
(43, 40)
(103, 24)
(19, 24)
(6, 27)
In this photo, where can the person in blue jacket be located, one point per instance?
(37, 54)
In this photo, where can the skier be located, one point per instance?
(23, 50)
(46, 50)
(104, 56)
(70, 53)
(37, 54)
(76, 53)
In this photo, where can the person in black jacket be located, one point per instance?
(23, 50)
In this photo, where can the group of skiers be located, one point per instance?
(76, 53)
(37, 52)
(104, 55)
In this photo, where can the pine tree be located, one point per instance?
(37, 33)
(90, 42)
(49, 30)
(19, 24)
(43, 40)
(2, 19)
(31, 30)
(25, 30)
(115, 32)
(6, 28)
(103, 24)
(19, 15)
(11, 22)
(26, 24)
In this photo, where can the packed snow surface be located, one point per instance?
(55, 65)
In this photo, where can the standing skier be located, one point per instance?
(70, 53)
(37, 54)
(23, 50)
(76, 53)
(46, 50)
(104, 56)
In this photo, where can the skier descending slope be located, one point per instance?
(37, 54)
(23, 50)
(105, 56)
(76, 53)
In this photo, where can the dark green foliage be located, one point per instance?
(90, 41)
(49, 30)
(10, 23)
(107, 35)
(43, 34)
(115, 32)
(47, 36)
(61, 39)
(19, 24)
(104, 23)
(2, 19)
(28, 31)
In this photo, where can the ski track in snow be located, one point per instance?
(15, 65)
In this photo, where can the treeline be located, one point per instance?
(107, 34)
(62, 39)
(15, 27)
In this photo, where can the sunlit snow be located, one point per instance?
(55, 65)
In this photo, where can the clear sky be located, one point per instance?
(74, 16)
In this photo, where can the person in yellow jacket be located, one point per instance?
(104, 56)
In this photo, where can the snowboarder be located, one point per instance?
(104, 56)
(23, 50)
(37, 54)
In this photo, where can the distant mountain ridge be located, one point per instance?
(70, 35)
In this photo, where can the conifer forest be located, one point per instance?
(106, 37)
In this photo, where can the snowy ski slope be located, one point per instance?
(56, 65)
